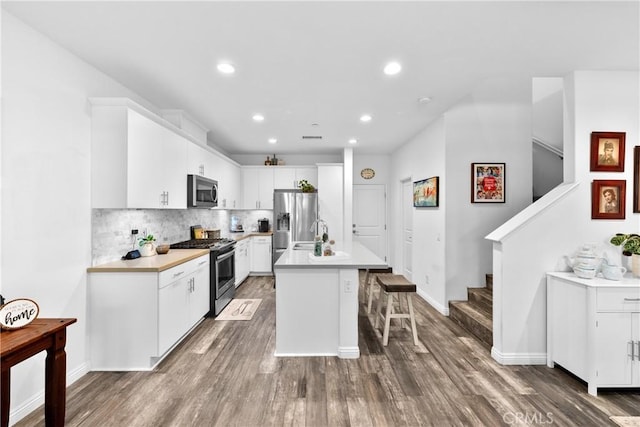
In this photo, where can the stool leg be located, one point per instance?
(378, 309)
(370, 286)
(400, 310)
(413, 320)
(387, 319)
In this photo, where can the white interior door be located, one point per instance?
(407, 229)
(370, 218)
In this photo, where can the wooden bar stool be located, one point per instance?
(370, 283)
(395, 285)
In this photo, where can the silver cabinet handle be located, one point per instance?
(632, 299)
(202, 262)
(178, 273)
(632, 350)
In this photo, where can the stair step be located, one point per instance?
(472, 319)
(488, 280)
(482, 298)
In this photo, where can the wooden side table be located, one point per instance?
(20, 344)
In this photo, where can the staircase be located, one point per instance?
(476, 314)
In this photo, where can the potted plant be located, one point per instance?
(304, 185)
(630, 244)
(147, 245)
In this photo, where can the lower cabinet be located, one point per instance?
(593, 329)
(243, 260)
(261, 255)
(135, 318)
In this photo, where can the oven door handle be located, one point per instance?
(225, 256)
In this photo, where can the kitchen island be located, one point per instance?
(317, 301)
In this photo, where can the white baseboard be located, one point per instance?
(37, 399)
(519, 358)
(433, 303)
(348, 352)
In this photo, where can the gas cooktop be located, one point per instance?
(213, 244)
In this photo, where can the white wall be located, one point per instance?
(46, 216)
(422, 157)
(493, 124)
(596, 101)
(378, 162)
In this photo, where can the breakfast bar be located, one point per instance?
(317, 301)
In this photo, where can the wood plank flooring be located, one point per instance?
(225, 374)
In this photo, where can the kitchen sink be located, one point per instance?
(303, 246)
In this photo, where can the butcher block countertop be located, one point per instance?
(154, 263)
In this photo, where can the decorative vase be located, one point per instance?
(635, 265)
(148, 249)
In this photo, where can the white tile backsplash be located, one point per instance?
(111, 228)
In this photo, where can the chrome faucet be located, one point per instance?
(320, 223)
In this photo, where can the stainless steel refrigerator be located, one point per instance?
(294, 213)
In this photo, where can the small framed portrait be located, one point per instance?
(425, 193)
(488, 183)
(608, 199)
(607, 151)
(636, 179)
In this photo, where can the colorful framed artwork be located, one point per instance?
(607, 151)
(608, 199)
(636, 179)
(488, 183)
(426, 193)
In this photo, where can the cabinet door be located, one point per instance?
(198, 160)
(309, 173)
(173, 300)
(612, 361)
(265, 177)
(284, 178)
(251, 187)
(261, 254)
(173, 178)
(145, 158)
(635, 336)
(200, 291)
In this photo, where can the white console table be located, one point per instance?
(593, 329)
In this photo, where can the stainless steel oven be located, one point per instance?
(223, 278)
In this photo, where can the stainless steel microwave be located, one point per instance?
(201, 192)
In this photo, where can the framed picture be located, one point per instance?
(607, 151)
(426, 193)
(636, 179)
(488, 182)
(608, 199)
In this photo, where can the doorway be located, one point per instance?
(370, 218)
(406, 201)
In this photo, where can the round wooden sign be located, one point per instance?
(18, 313)
(367, 173)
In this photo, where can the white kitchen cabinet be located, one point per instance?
(261, 255)
(229, 185)
(243, 260)
(287, 177)
(593, 329)
(136, 318)
(202, 162)
(258, 187)
(137, 159)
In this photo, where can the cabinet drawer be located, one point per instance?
(618, 299)
(182, 270)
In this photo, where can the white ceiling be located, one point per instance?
(300, 63)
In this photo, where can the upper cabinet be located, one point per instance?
(287, 177)
(229, 185)
(258, 187)
(137, 159)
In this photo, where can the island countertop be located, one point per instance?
(357, 256)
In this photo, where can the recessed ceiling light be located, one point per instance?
(365, 118)
(272, 140)
(226, 68)
(258, 118)
(392, 68)
(353, 141)
(424, 100)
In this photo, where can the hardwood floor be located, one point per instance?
(225, 374)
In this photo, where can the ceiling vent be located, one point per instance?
(311, 137)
